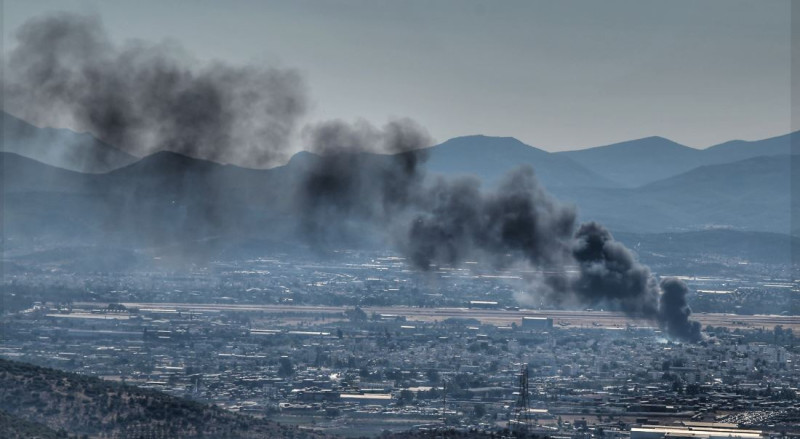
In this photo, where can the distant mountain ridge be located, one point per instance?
(626, 164)
(752, 194)
(638, 162)
(168, 199)
(60, 147)
(490, 158)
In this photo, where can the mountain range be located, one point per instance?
(60, 147)
(638, 162)
(626, 164)
(166, 199)
(752, 194)
(490, 158)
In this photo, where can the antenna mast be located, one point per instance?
(522, 423)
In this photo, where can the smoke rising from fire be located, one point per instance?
(347, 180)
(145, 98)
(448, 221)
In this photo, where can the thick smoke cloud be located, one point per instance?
(518, 220)
(359, 174)
(610, 273)
(144, 98)
(674, 312)
(449, 221)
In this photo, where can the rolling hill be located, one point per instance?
(47, 403)
(638, 162)
(167, 202)
(48, 399)
(22, 174)
(752, 194)
(14, 427)
(60, 147)
(489, 158)
(708, 246)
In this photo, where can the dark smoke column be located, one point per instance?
(360, 179)
(143, 98)
(674, 312)
(455, 220)
(610, 273)
(520, 222)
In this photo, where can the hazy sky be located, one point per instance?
(556, 74)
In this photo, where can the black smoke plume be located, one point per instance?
(674, 312)
(610, 273)
(143, 98)
(360, 175)
(518, 220)
(448, 221)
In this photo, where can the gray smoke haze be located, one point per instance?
(674, 312)
(609, 272)
(143, 98)
(360, 174)
(450, 221)
(518, 220)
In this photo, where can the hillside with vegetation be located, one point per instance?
(14, 427)
(49, 401)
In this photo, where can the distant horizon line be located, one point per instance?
(584, 148)
(549, 150)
